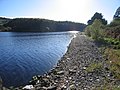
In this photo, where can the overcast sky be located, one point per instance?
(60, 10)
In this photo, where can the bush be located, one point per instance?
(95, 30)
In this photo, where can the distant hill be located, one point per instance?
(42, 25)
(4, 20)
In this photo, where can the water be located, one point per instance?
(23, 55)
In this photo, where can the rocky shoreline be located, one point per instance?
(81, 68)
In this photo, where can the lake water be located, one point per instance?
(23, 55)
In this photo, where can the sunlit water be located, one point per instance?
(23, 55)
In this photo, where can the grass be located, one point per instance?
(113, 61)
(114, 43)
(93, 66)
(107, 87)
(113, 56)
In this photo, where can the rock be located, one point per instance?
(110, 61)
(28, 87)
(45, 82)
(68, 58)
(32, 82)
(70, 78)
(4, 88)
(71, 71)
(39, 77)
(40, 88)
(84, 68)
(60, 72)
(98, 80)
(67, 81)
(63, 87)
(34, 78)
(71, 87)
(52, 88)
(110, 75)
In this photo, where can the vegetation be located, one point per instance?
(41, 25)
(97, 16)
(2, 22)
(110, 37)
(95, 30)
(94, 66)
(113, 29)
(113, 61)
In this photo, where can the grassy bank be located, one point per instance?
(108, 37)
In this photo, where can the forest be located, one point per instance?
(39, 25)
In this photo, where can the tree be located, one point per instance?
(95, 30)
(97, 16)
(88, 30)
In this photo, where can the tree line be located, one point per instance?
(42, 25)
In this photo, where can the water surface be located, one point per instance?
(23, 55)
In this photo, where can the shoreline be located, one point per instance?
(72, 71)
(75, 70)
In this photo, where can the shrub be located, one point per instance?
(95, 30)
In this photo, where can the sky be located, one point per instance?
(59, 10)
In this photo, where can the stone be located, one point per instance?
(84, 68)
(40, 88)
(32, 82)
(71, 71)
(98, 80)
(63, 87)
(45, 82)
(52, 88)
(71, 87)
(28, 87)
(60, 72)
(68, 58)
(70, 78)
(34, 78)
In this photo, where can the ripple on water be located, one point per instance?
(23, 55)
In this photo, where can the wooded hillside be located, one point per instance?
(42, 25)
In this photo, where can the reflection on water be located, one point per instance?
(23, 55)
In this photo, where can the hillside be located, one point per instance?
(4, 20)
(42, 25)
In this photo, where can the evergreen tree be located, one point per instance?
(97, 16)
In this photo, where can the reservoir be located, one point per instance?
(25, 54)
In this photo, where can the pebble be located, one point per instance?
(28, 87)
(84, 68)
(52, 88)
(60, 72)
